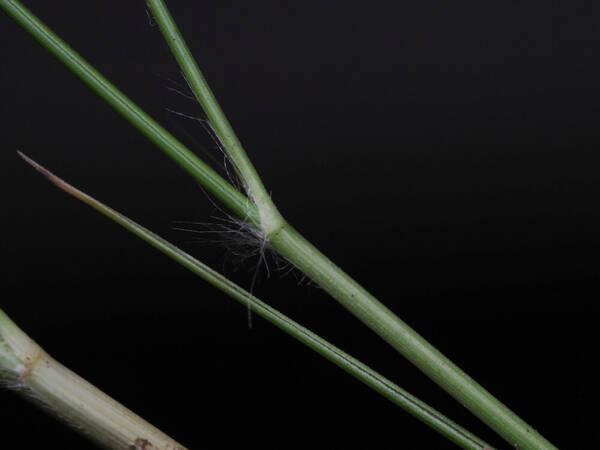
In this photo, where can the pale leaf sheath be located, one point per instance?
(28, 369)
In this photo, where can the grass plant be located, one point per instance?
(255, 206)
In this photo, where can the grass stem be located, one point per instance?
(270, 219)
(26, 368)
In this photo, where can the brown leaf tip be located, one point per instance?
(49, 175)
(40, 168)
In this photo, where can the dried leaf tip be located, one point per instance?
(62, 184)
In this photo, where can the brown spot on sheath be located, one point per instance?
(141, 444)
(30, 361)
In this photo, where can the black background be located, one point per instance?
(443, 153)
